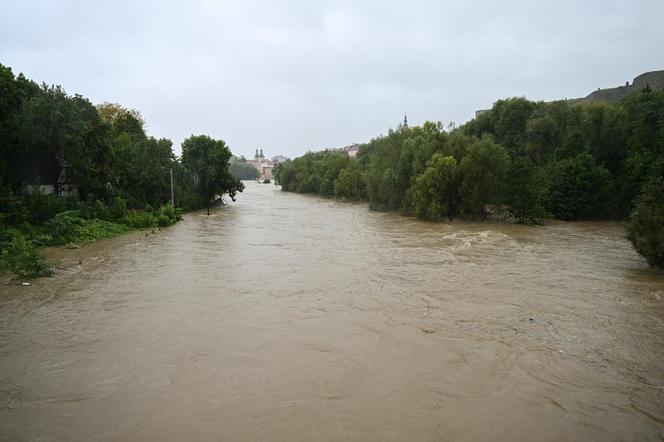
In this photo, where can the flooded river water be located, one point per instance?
(285, 317)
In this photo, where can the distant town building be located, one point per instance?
(351, 150)
(264, 166)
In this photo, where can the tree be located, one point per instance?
(579, 188)
(645, 228)
(542, 133)
(513, 115)
(208, 159)
(605, 128)
(484, 168)
(122, 119)
(350, 183)
(525, 191)
(242, 170)
(433, 194)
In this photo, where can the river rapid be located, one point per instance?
(286, 317)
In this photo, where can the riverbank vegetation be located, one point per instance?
(521, 160)
(243, 170)
(72, 172)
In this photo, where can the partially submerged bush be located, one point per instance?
(170, 213)
(22, 258)
(67, 228)
(164, 216)
(90, 221)
(163, 221)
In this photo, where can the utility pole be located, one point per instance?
(172, 195)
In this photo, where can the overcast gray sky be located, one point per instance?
(292, 76)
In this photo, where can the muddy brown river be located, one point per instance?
(284, 317)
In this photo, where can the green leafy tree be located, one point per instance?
(526, 191)
(484, 169)
(579, 188)
(350, 184)
(433, 193)
(242, 170)
(645, 228)
(605, 129)
(208, 159)
(542, 134)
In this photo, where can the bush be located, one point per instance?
(139, 220)
(63, 228)
(164, 216)
(22, 258)
(163, 221)
(645, 228)
(117, 208)
(171, 214)
(66, 228)
(41, 207)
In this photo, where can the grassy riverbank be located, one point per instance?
(116, 176)
(20, 243)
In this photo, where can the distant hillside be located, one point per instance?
(654, 80)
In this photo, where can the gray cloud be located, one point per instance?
(289, 76)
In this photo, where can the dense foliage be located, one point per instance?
(522, 160)
(242, 170)
(208, 159)
(646, 223)
(101, 157)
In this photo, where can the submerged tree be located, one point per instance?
(208, 160)
(433, 195)
(579, 188)
(646, 223)
(526, 190)
(484, 169)
(350, 183)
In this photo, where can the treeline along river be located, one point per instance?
(287, 317)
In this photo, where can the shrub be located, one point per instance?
(117, 208)
(163, 221)
(63, 228)
(66, 228)
(22, 258)
(139, 220)
(172, 214)
(41, 207)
